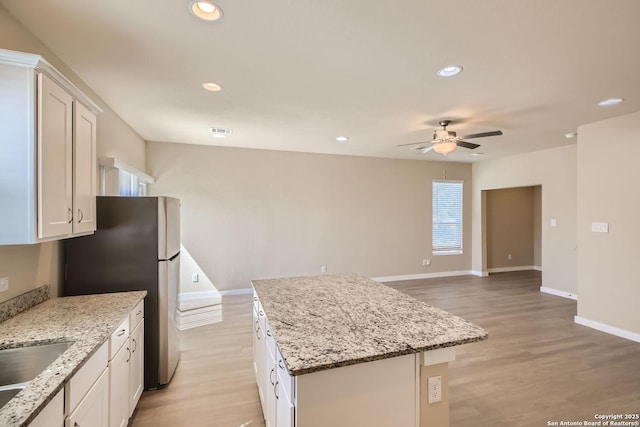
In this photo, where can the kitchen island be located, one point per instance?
(346, 350)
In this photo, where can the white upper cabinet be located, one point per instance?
(48, 145)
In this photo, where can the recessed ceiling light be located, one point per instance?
(450, 71)
(342, 139)
(570, 135)
(213, 87)
(476, 154)
(610, 101)
(205, 10)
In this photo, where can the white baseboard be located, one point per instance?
(193, 300)
(623, 333)
(422, 276)
(243, 291)
(559, 293)
(198, 317)
(537, 267)
(480, 273)
(509, 269)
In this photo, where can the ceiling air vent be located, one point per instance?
(221, 132)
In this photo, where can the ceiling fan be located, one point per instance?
(445, 141)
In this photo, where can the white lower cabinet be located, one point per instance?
(106, 389)
(119, 387)
(52, 415)
(259, 355)
(93, 409)
(136, 366)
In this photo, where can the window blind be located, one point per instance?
(447, 217)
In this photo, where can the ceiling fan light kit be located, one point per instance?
(445, 141)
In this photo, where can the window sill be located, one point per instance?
(456, 252)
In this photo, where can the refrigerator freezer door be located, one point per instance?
(169, 278)
(168, 227)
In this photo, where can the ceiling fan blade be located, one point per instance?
(469, 145)
(482, 134)
(413, 143)
(426, 149)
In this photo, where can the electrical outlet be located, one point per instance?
(4, 284)
(435, 389)
(195, 278)
(323, 269)
(426, 262)
(509, 257)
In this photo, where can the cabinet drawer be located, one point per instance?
(119, 337)
(287, 381)
(82, 381)
(136, 315)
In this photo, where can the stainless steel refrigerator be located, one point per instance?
(136, 247)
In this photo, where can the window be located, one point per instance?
(447, 217)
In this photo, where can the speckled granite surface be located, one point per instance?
(23, 302)
(328, 321)
(87, 320)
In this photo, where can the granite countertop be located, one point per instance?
(328, 321)
(88, 320)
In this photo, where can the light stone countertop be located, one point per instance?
(88, 320)
(328, 321)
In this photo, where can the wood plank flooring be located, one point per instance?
(537, 366)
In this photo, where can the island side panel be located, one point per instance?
(381, 393)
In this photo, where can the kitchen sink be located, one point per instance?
(18, 366)
(6, 394)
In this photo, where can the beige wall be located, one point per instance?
(556, 171)
(608, 176)
(249, 214)
(510, 227)
(31, 266)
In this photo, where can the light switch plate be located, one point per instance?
(4, 284)
(554, 222)
(600, 227)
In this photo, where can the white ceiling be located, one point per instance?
(296, 74)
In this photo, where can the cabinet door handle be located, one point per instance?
(139, 313)
(280, 364)
(135, 346)
(271, 376)
(81, 215)
(255, 298)
(129, 358)
(268, 332)
(275, 390)
(121, 332)
(75, 424)
(261, 313)
(70, 215)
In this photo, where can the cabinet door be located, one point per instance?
(93, 410)
(284, 407)
(119, 387)
(84, 169)
(52, 415)
(55, 109)
(271, 373)
(259, 348)
(136, 367)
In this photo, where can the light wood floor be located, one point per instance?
(537, 365)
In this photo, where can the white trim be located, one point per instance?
(38, 63)
(509, 269)
(480, 273)
(195, 300)
(559, 293)
(537, 267)
(243, 291)
(622, 333)
(438, 356)
(422, 276)
(112, 162)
